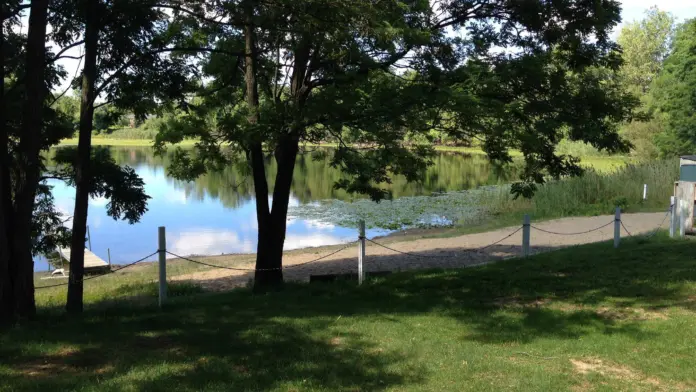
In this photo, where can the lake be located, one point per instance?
(216, 213)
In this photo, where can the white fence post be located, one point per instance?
(108, 252)
(645, 191)
(361, 252)
(162, 249)
(672, 210)
(526, 231)
(617, 227)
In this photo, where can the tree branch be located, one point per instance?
(77, 70)
(15, 12)
(135, 59)
(365, 69)
(68, 57)
(65, 49)
(102, 104)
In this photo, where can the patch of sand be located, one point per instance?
(625, 374)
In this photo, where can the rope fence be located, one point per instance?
(525, 228)
(263, 269)
(111, 271)
(476, 250)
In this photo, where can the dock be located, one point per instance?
(93, 263)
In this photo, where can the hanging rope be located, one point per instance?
(99, 276)
(261, 269)
(445, 256)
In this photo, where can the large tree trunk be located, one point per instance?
(269, 259)
(22, 263)
(268, 272)
(83, 176)
(6, 301)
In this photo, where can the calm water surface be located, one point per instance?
(216, 214)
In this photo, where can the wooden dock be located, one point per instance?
(92, 262)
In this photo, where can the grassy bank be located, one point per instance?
(105, 141)
(587, 318)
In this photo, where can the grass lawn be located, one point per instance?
(580, 319)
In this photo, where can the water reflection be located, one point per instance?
(215, 214)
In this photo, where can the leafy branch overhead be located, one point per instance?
(520, 75)
(124, 189)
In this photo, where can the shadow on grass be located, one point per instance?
(207, 348)
(285, 340)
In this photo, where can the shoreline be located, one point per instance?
(600, 163)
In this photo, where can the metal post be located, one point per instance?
(108, 253)
(672, 213)
(162, 249)
(645, 191)
(526, 231)
(617, 227)
(361, 252)
(89, 239)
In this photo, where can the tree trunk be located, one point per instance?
(268, 272)
(22, 263)
(83, 176)
(269, 259)
(6, 301)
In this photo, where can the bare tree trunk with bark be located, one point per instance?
(22, 263)
(83, 177)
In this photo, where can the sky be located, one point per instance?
(633, 10)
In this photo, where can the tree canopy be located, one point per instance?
(675, 92)
(253, 80)
(645, 45)
(280, 73)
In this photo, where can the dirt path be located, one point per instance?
(452, 252)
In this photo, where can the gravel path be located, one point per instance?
(452, 252)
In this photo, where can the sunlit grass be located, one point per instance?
(104, 141)
(585, 318)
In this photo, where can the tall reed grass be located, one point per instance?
(595, 193)
(128, 133)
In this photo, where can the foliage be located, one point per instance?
(596, 193)
(578, 149)
(645, 136)
(69, 106)
(519, 324)
(48, 230)
(119, 184)
(592, 194)
(645, 44)
(381, 74)
(49, 224)
(675, 92)
(106, 117)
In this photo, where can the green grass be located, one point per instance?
(581, 319)
(596, 192)
(133, 283)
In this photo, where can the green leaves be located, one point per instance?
(124, 189)
(645, 45)
(372, 76)
(675, 92)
